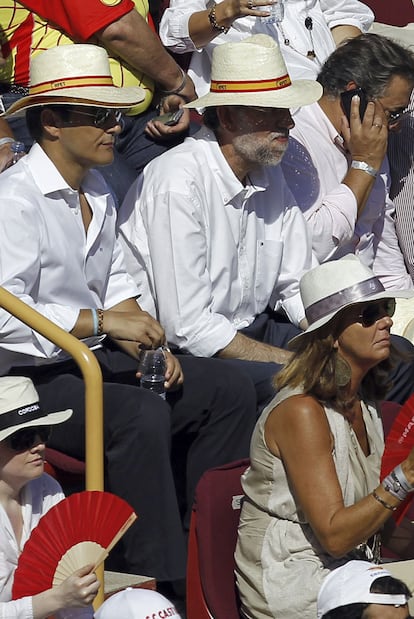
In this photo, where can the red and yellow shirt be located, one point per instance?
(32, 26)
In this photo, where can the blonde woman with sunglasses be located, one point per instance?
(313, 500)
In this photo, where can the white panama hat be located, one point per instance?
(253, 72)
(137, 604)
(351, 584)
(20, 408)
(75, 74)
(332, 286)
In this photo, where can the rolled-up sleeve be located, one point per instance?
(347, 12)
(177, 244)
(174, 30)
(20, 273)
(17, 609)
(330, 215)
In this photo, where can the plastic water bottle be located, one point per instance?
(276, 10)
(18, 150)
(152, 366)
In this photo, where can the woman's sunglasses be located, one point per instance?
(27, 437)
(374, 311)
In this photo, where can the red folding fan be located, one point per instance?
(78, 531)
(398, 444)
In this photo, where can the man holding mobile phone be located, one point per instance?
(336, 165)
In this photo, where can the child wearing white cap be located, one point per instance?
(26, 494)
(137, 604)
(362, 590)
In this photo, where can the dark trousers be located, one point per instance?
(215, 412)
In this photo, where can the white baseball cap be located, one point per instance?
(137, 604)
(351, 584)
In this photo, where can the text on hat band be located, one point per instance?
(71, 82)
(353, 294)
(251, 86)
(20, 415)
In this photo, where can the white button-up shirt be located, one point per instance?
(216, 252)
(325, 14)
(48, 260)
(314, 168)
(38, 496)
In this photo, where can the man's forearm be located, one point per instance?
(130, 38)
(242, 347)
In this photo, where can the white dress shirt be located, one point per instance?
(47, 259)
(325, 14)
(314, 168)
(216, 252)
(38, 496)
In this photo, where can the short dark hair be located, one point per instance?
(369, 60)
(34, 121)
(383, 584)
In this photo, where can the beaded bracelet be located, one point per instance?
(384, 503)
(213, 21)
(100, 313)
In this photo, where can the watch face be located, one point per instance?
(396, 485)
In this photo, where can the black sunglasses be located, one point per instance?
(101, 116)
(27, 437)
(374, 311)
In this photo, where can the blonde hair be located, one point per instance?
(318, 368)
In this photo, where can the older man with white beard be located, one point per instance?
(215, 226)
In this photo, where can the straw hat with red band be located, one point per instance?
(74, 75)
(253, 72)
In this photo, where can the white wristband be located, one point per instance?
(365, 167)
(6, 140)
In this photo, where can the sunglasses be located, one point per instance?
(27, 437)
(394, 117)
(374, 311)
(102, 116)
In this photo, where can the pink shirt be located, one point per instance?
(314, 167)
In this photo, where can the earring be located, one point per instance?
(342, 371)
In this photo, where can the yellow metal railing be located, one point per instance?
(92, 375)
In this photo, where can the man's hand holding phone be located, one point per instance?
(172, 120)
(364, 128)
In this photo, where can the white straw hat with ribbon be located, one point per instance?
(74, 75)
(253, 72)
(20, 408)
(332, 286)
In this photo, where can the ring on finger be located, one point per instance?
(377, 125)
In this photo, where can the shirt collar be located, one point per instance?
(329, 127)
(227, 182)
(49, 180)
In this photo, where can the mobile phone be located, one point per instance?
(346, 98)
(171, 118)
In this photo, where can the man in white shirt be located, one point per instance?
(220, 236)
(59, 254)
(337, 167)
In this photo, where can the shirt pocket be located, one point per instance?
(268, 260)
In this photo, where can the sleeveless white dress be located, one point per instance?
(280, 564)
